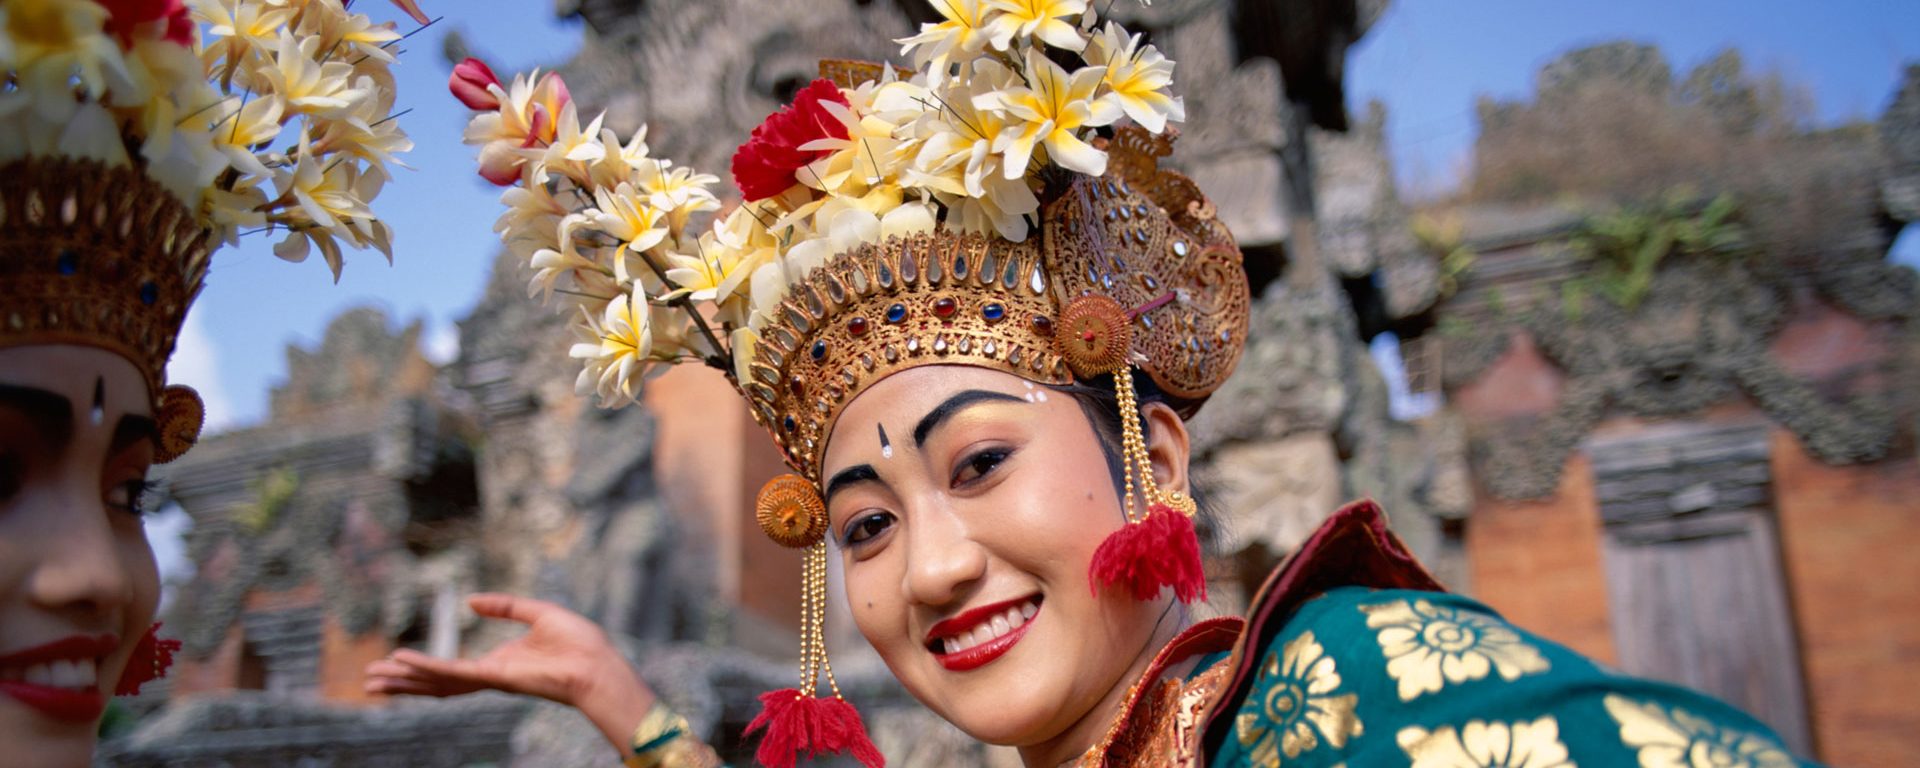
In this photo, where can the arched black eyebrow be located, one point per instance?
(132, 429)
(858, 473)
(50, 413)
(958, 402)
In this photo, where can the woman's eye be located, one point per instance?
(979, 465)
(868, 527)
(129, 497)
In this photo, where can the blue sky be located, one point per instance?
(1427, 60)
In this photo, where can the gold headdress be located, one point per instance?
(130, 148)
(985, 210)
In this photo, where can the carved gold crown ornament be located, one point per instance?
(970, 299)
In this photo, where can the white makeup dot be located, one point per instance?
(1040, 396)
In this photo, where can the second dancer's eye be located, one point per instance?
(866, 527)
(979, 465)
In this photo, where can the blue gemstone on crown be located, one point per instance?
(69, 262)
(993, 312)
(896, 313)
(819, 349)
(149, 293)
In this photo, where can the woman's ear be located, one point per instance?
(1168, 446)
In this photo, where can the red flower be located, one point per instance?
(765, 165)
(469, 83)
(125, 17)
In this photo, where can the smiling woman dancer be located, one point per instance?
(125, 158)
(974, 314)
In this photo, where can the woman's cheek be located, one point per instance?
(144, 570)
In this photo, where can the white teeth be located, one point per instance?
(980, 634)
(66, 674)
(996, 627)
(80, 674)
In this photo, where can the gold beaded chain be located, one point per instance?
(813, 619)
(1134, 446)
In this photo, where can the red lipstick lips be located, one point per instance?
(986, 652)
(70, 703)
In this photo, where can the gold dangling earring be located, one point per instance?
(797, 720)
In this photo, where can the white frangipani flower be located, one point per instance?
(1137, 78)
(1050, 112)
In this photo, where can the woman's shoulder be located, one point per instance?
(1367, 672)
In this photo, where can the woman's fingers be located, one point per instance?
(472, 670)
(525, 610)
(392, 669)
(397, 686)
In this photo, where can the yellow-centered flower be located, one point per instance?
(1137, 78)
(962, 32)
(1047, 21)
(1049, 112)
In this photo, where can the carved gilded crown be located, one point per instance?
(105, 257)
(1140, 235)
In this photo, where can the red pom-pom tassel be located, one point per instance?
(1157, 552)
(150, 660)
(798, 723)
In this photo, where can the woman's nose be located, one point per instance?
(943, 560)
(81, 570)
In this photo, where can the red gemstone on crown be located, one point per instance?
(945, 307)
(857, 326)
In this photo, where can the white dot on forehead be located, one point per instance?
(1040, 396)
(1028, 383)
(98, 413)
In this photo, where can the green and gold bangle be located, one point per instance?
(663, 741)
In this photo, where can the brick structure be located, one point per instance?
(1715, 485)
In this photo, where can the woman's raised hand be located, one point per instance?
(563, 657)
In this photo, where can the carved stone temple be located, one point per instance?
(382, 489)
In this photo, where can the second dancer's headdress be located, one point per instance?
(132, 145)
(989, 209)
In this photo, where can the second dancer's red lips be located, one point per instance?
(986, 652)
(78, 705)
(64, 649)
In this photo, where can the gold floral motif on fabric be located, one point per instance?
(1520, 744)
(1429, 646)
(1296, 705)
(1678, 738)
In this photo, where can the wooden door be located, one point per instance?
(1696, 590)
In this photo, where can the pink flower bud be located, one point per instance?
(561, 96)
(471, 83)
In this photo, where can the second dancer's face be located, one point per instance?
(966, 505)
(78, 586)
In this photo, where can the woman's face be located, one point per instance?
(967, 505)
(78, 586)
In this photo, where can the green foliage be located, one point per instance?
(271, 492)
(1622, 251)
(116, 722)
(1443, 237)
